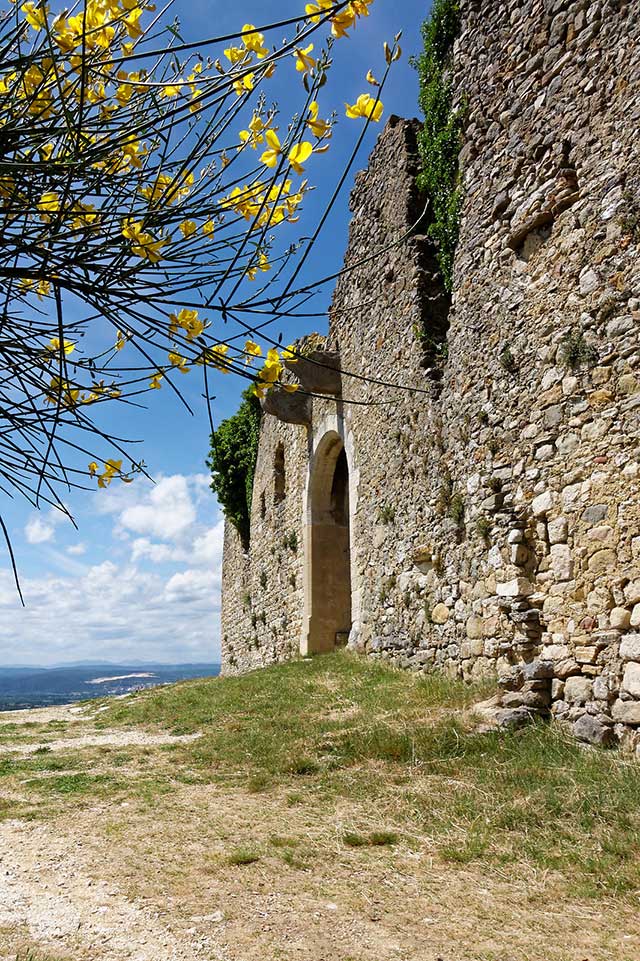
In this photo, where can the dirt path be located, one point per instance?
(158, 872)
(46, 892)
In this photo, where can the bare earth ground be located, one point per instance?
(151, 880)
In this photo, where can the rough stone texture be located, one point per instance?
(540, 560)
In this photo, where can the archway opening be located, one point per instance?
(328, 568)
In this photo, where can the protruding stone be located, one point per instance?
(620, 618)
(591, 729)
(558, 530)
(519, 586)
(627, 712)
(440, 614)
(542, 504)
(318, 371)
(289, 408)
(630, 647)
(631, 679)
(578, 690)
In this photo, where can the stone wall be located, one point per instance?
(495, 485)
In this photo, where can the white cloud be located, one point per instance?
(38, 531)
(122, 605)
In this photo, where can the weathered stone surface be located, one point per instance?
(630, 647)
(592, 730)
(631, 679)
(537, 456)
(627, 712)
(578, 690)
(440, 614)
(620, 618)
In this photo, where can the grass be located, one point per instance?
(399, 752)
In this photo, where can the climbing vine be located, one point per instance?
(440, 139)
(232, 461)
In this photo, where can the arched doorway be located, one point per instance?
(327, 550)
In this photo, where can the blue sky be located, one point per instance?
(140, 578)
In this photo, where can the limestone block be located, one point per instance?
(620, 618)
(601, 561)
(475, 626)
(558, 530)
(586, 654)
(628, 384)
(634, 617)
(542, 504)
(514, 588)
(578, 690)
(631, 679)
(592, 730)
(630, 647)
(627, 712)
(440, 614)
(571, 497)
(472, 648)
(562, 562)
(632, 592)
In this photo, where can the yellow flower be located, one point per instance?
(366, 107)
(177, 360)
(36, 16)
(254, 41)
(270, 156)
(235, 54)
(93, 467)
(54, 345)
(304, 63)
(252, 350)
(208, 228)
(188, 228)
(262, 263)
(120, 340)
(216, 356)
(343, 21)
(154, 383)
(290, 354)
(319, 128)
(48, 203)
(188, 321)
(131, 23)
(142, 244)
(299, 154)
(372, 80)
(244, 84)
(254, 135)
(314, 10)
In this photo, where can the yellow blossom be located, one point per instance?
(177, 360)
(244, 84)
(54, 345)
(252, 350)
(319, 128)
(154, 383)
(188, 228)
(120, 340)
(314, 10)
(304, 62)
(208, 228)
(366, 107)
(235, 54)
(254, 41)
(372, 80)
(35, 15)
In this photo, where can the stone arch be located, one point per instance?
(328, 602)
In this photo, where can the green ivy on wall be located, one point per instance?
(232, 461)
(441, 136)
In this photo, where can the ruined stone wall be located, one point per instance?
(495, 508)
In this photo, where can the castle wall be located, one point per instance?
(495, 508)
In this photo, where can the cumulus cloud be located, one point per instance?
(155, 596)
(41, 528)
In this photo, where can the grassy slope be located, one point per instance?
(338, 728)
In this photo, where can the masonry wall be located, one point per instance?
(495, 508)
